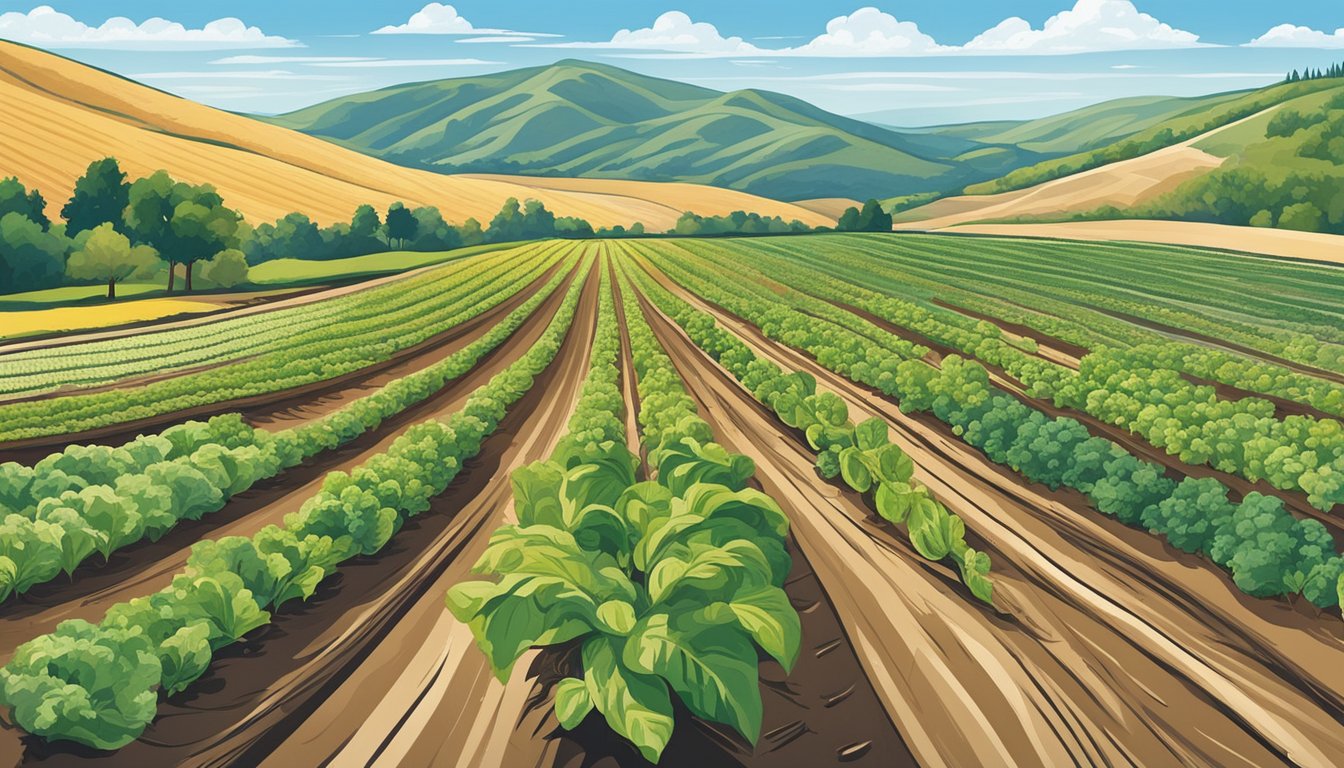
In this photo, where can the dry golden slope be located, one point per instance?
(59, 115)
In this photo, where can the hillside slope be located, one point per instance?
(1143, 183)
(59, 115)
(575, 118)
(1088, 128)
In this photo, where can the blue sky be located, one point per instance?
(901, 63)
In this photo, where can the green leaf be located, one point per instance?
(975, 574)
(893, 464)
(768, 616)
(934, 531)
(853, 470)
(184, 656)
(713, 668)
(871, 434)
(572, 702)
(895, 500)
(536, 494)
(616, 617)
(636, 706)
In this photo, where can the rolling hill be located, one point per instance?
(1217, 163)
(575, 118)
(59, 115)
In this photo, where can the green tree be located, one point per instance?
(401, 224)
(15, 198)
(100, 196)
(107, 256)
(30, 257)
(365, 222)
(185, 223)
(227, 269)
(872, 218)
(507, 225)
(1302, 216)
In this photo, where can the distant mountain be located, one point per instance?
(575, 118)
(60, 115)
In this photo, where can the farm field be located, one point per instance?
(879, 499)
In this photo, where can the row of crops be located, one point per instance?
(1268, 550)
(874, 264)
(1299, 453)
(668, 586)
(1290, 312)
(337, 346)
(100, 684)
(96, 499)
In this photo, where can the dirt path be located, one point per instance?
(290, 407)
(148, 566)
(1111, 649)
(425, 692)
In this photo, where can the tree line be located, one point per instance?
(113, 229)
(1334, 70)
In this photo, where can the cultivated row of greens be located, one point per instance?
(1268, 551)
(99, 684)
(666, 586)
(95, 498)
(337, 347)
(861, 455)
(1124, 388)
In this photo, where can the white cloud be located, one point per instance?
(518, 38)
(673, 31)
(868, 32)
(440, 19)
(433, 19)
(1092, 25)
(1290, 36)
(269, 74)
(46, 27)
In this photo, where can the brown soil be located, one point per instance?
(290, 406)
(270, 695)
(148, 566)
(1110, 648)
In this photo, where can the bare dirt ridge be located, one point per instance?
(1111, 648)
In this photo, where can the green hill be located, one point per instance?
(580, 119)
(1086, 128)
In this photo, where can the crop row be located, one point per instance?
(861, 455)
(667, 586)
(341, 349)
(1268, 551)
(1118, 387)
(94, 498)
(99, 684)
(107, 360)
(869, 266)
(1292, 314)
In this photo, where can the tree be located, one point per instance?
(365, 222)
(401, 224)
(183, 222)
(1302, 216)
(227, 269)
(100, 196)
(108, 256)
(507, 225)
(537, 221)
(871, 219)
(30, 257)
(15, 198)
